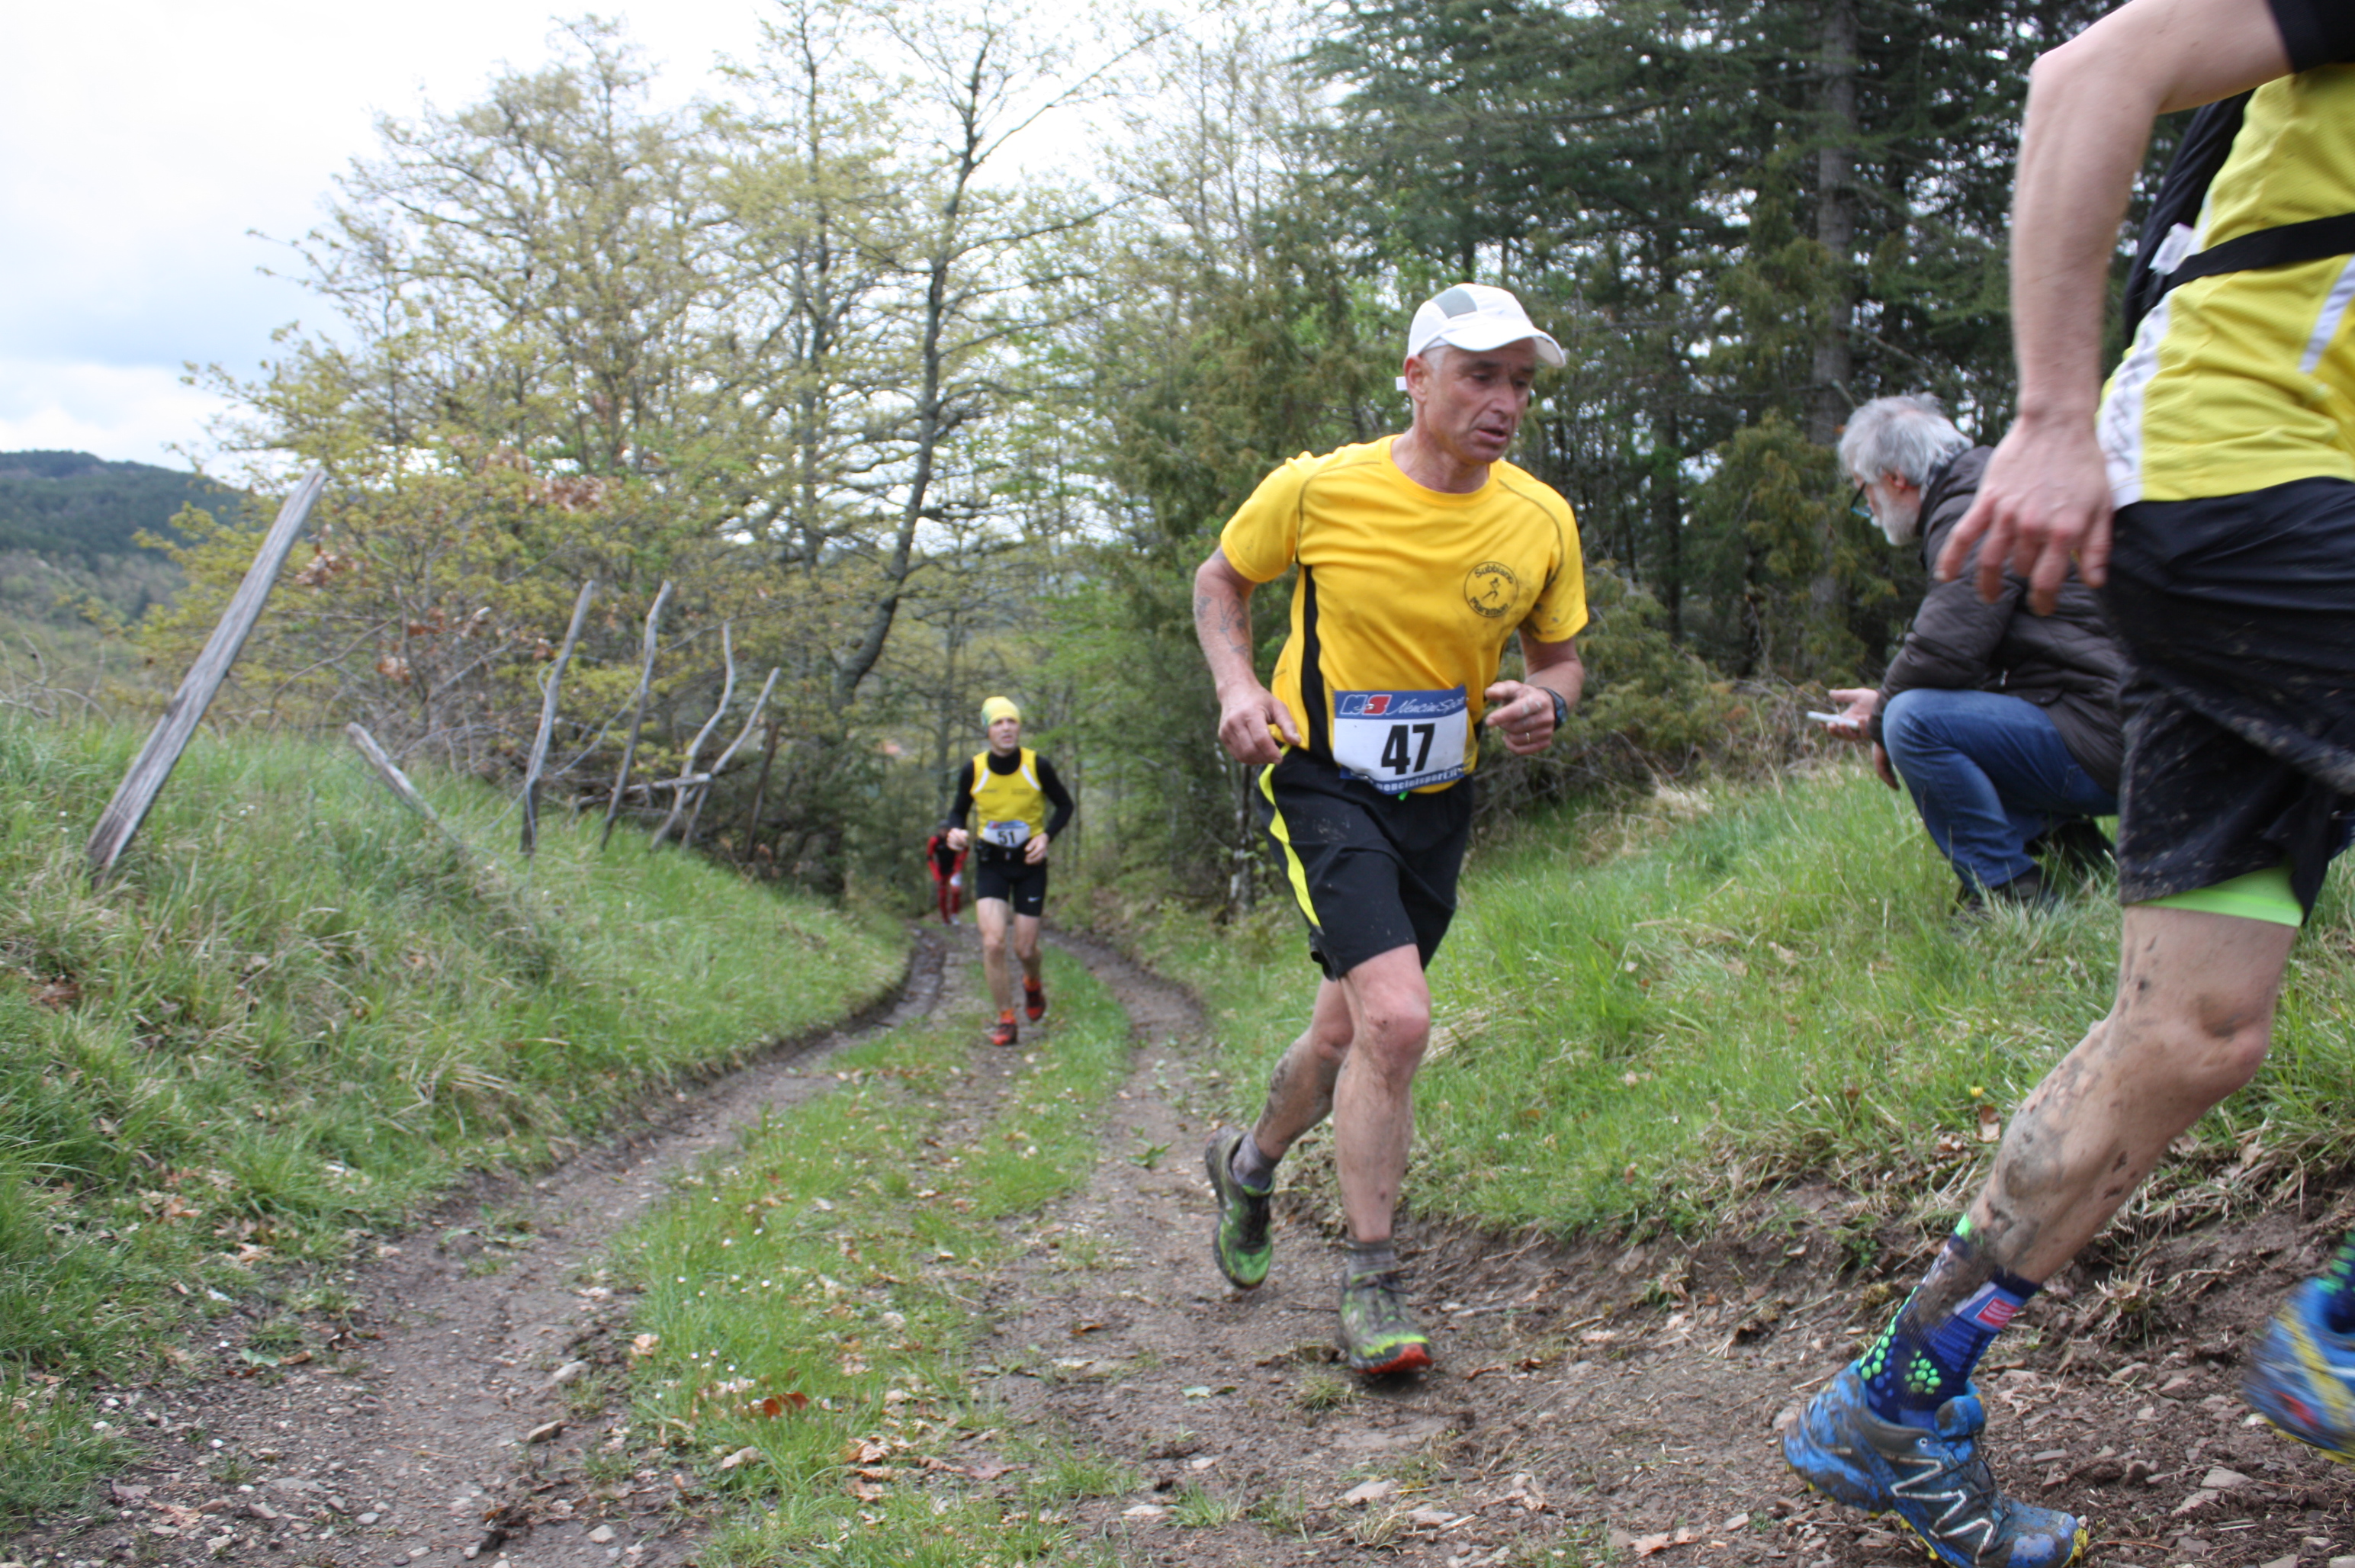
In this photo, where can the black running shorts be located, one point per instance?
(1017, 881)
(1371, 871)
(2238, 615)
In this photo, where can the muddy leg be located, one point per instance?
(1300, 1089)
(2190, 1024)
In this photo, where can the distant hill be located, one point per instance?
(67, 523)
(71, 504)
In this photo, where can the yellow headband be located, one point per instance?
(998, 707)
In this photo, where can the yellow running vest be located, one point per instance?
(1010, 807)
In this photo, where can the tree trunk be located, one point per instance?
(1835, 222)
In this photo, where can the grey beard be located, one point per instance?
(1900, 531)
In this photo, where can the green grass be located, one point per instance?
(1648, 1018)
(295, 1012)
(811, 1299)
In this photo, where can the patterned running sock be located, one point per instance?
(1362, 1258)
(1252, 1169)
(2338, 1289)
(1916, 1365)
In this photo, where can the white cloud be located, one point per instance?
(142, 141)
(128, 412)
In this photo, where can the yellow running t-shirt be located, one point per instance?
(1010, 807)
(2243, 380)
(1406, 596)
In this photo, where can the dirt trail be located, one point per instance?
(1601, 1404)
(1590, 1405)
(421, 1436)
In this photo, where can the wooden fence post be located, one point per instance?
(686, 834)
(402, 789)
(637, 716)
(547, 719)
(761, 790)
(695, 748)
(153, 766)
(389, 772)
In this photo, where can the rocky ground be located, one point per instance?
(1590, 1405)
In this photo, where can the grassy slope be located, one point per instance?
(297, 1012)
(1646, 1017)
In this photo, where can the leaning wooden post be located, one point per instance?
(637, 716)
(686, 834)
(402, 789)
(694, 747)
(389, 772)
(761, 790)
(548, 718)
(153, 766)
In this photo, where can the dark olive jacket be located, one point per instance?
(2066, 663)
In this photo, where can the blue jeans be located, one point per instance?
(1987, 773)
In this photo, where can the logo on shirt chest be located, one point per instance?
(1491, 589)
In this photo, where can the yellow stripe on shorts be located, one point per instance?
(1296, 874)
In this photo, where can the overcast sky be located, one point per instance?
(141, 142)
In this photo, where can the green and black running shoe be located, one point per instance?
(1378, 1334)
(1238, 1241)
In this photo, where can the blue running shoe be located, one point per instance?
(1934, 1480)
(2302, 1377)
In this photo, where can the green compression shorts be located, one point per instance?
(2260, 895)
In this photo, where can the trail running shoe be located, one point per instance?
(1004, 1032)
(2302, 1376)
(1238, 1241)
(1378, 1335)
(1933, 1479)
(1034, 999)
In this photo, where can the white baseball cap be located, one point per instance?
(1478, 317)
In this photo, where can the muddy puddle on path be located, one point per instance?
(1591, 1406)
(457, 1415)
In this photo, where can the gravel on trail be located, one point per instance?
(1590, 1404)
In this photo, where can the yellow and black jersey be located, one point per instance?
(1008, 797)
(2245, 379)
(1405, 599)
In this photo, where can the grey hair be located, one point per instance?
(1908, 436)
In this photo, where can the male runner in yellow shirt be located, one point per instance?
(1420, 556)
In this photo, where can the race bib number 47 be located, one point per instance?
(1400, 740)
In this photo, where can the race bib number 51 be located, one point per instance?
(1005, 835)
(1400, 740)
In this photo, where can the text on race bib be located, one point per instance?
(1400, 740)
(1005, 835)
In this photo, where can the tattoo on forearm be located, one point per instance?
(1225, 619)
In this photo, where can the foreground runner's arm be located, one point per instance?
(1249, 715)
(1524, 710)
(2090, 107)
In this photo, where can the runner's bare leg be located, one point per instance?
(2191, 1022)
(993, 914)
(1026, 945)
(1300, 1088)
(1356, 1062)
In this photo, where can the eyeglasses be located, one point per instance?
(1858, 506)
